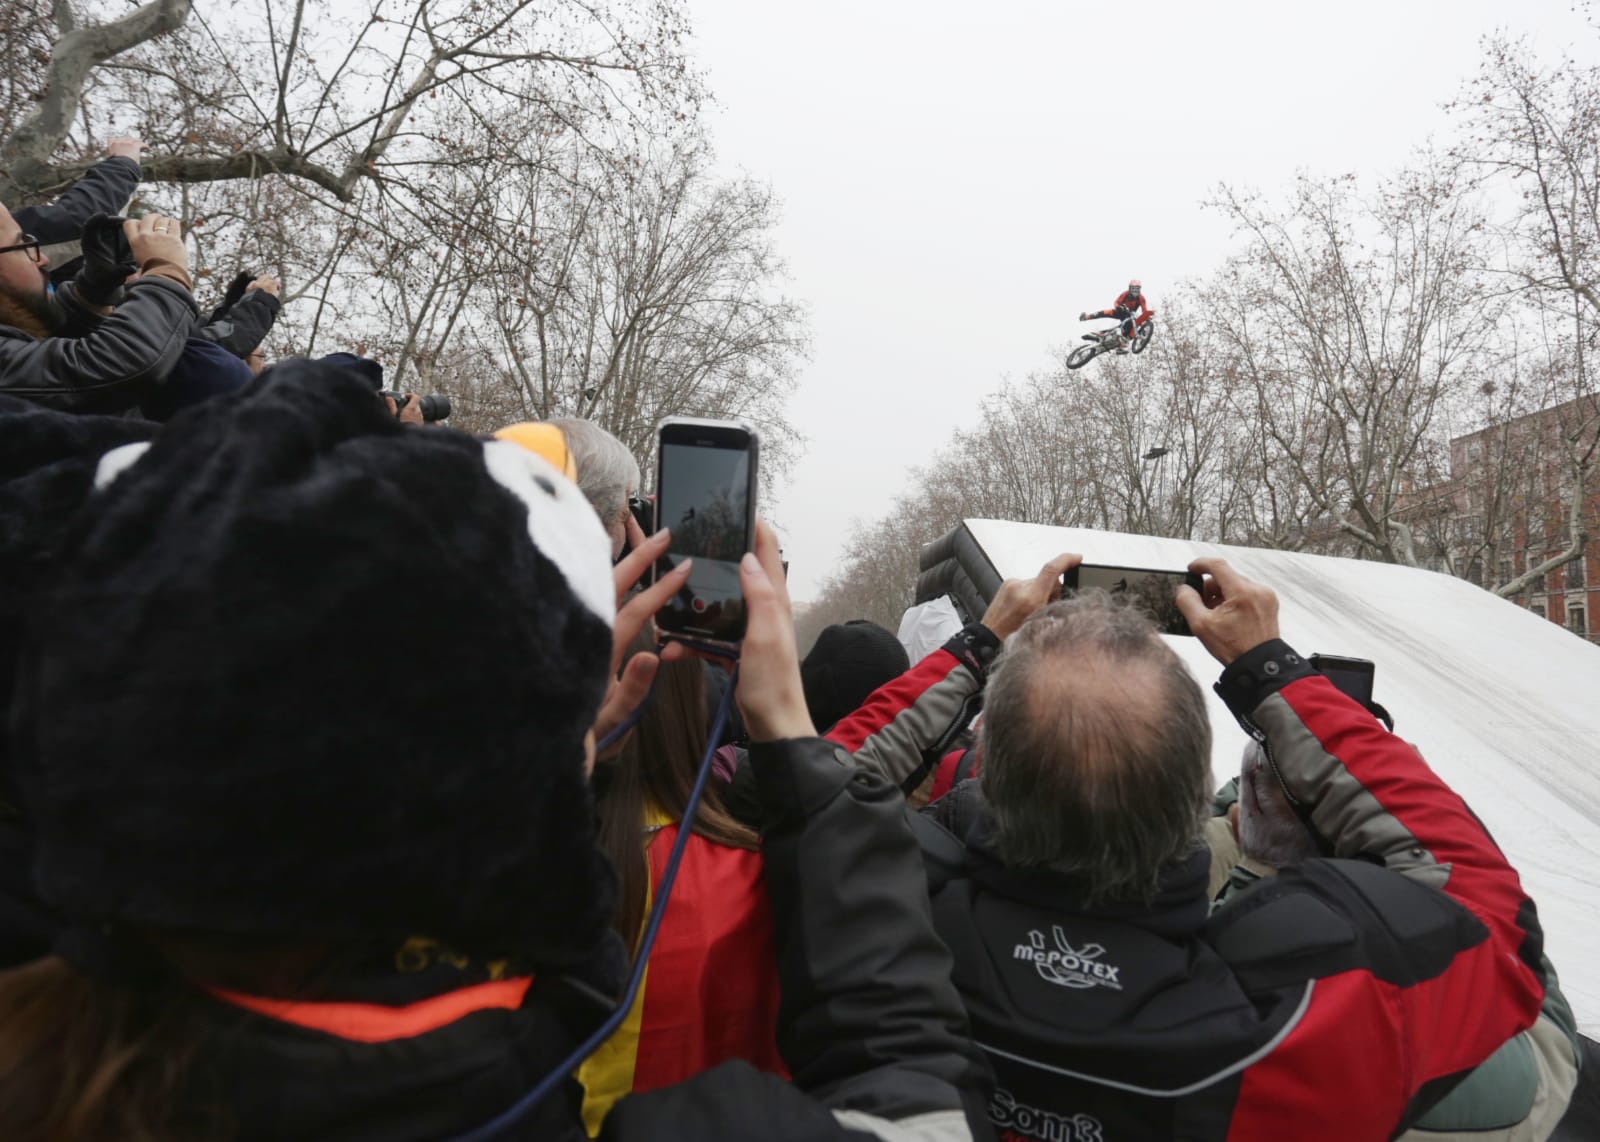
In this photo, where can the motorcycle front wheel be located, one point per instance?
(1142, 338)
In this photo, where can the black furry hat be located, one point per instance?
(47, 467)
(846, 664)
(302, 672)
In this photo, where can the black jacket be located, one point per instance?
(1338, 1001)
(104, 188)
(113, 365)
(870, 1027)
(243, 319)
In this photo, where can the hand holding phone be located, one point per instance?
(1154, 592)
(1229, 613)
(771, 698)
(630, 686)
(1017, 599)
(706, 479)
(107, 260)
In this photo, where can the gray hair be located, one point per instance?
(1269, 830)
(607, 472)
(1096, 748)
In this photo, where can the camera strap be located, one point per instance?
(589, 1046)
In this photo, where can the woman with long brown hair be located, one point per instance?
(711, 990)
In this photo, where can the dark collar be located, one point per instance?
(1177, 910)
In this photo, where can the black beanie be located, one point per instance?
(848, 662)
(302, 672)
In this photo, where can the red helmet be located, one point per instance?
(1134, 286)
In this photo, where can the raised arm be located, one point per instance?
(908, 722)
(905, 726)
(870, 1023)
(104, 188)
(110, 368)
(1368, 794)
(241, 327)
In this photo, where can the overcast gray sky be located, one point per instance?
(959, 181)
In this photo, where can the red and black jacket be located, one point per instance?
(1128, 305)
(909, 724)
(1338, 1000)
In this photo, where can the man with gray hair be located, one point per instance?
(1339, 999)
(608, 475)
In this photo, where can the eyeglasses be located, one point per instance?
(28, 243)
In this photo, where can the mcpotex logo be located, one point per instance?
(1018, 1122)
(1065, 965)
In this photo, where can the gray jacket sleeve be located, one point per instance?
(869, 1023)
(904, 727)
(111, 368)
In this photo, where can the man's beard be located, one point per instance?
(36, 314)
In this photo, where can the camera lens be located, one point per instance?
(434, 406)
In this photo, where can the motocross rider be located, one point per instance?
(1129, 303)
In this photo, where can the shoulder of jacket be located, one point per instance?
(1322, 917)
(944, 856)
(158, 281)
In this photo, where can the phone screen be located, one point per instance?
(703, 494)
(1154, 592)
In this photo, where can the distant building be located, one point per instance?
(1505, 509)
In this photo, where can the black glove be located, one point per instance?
(230, 299)
(241, 323)
(107, 261)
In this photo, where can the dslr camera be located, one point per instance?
(434, 406)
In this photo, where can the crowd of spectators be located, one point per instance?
(343, 774)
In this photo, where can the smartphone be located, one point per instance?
(706, 493)
(1353, 676)
(1154, 592)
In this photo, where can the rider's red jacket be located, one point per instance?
(1126, 301)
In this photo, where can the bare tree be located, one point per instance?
(1536, 130)
(27, 31)
(323, 93)
(877, 576)
(1353, 321)
(1374, 373)
(503, 200)
(645, 290)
